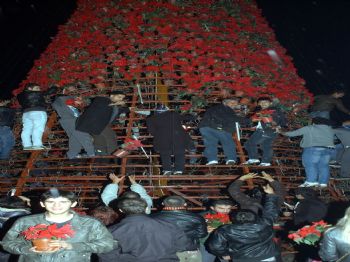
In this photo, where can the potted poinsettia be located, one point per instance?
(309, 234)
(42, 234)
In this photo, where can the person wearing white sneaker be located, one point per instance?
(217, 126)
(212, 162)
(317, 144)
(251, 162)
(268, 119)
(309, 184)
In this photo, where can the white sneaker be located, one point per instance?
(309, 184)
(213, 162)
(265, 164)
(166, 173)
(323, 185)
(230, 162)
(177, 173)
(251, 161)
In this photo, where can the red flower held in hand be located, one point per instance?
(48, 231)
(216, 220)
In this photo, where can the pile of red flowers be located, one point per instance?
(216, 220)
(131, 144)
(309, 235)
(202, 46)
(48, 231)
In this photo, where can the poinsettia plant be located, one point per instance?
(309, 234)
(216, 220)
(48, 231)
(131, 144)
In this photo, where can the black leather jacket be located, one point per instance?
(192, 224)
(249, 242)
(32, 101)
(221, 117)
(333, 246)
(7, 116)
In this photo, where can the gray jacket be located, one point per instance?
(91, 236)
(314, 135)
(333, 246)
(343, 135)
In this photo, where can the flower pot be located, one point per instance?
(41, 244)
(121, 153)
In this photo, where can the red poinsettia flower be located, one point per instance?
(48, 231)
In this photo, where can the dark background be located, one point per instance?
(315, 33)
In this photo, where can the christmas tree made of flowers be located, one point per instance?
(199, 45)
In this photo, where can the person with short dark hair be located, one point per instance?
(67, 108)
(269, 120)
(7, 139)
(249, 237)
(170, 138)
(109, 194)
(217, 206)
(32, 101)
(142, 238)
(105, 214)
(217, 126)
(194, 225)
(324, 104)
(90, 235)
(253, 202)
(97, 119)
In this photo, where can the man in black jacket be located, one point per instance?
(250, 237)
(217, 126)
(253, 202)
(192, 224)
(170, 138)
(269, 120)
(324, 104)
(142, 238)
(7, 140)
(97, 121)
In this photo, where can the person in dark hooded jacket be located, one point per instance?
(97, 118)
(254, 202)
(250, 237)
(170, 138)
(309, 208)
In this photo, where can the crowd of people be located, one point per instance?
(130, 227)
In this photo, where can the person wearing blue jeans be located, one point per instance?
(7, 140)
(316, 163)
(32, 101)
(211, 138)
(34, 123)
(217, 126)
(317, 144)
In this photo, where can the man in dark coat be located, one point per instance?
(217, 126)
(269, 120)
(192, 224)
(67, 109)
(324, 104)
(142, 238)
(250, 237)
(7, 139)
(170, 138)
(253, 202)
(97, 118)
(343, 156)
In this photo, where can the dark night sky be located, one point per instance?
(315, 33)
